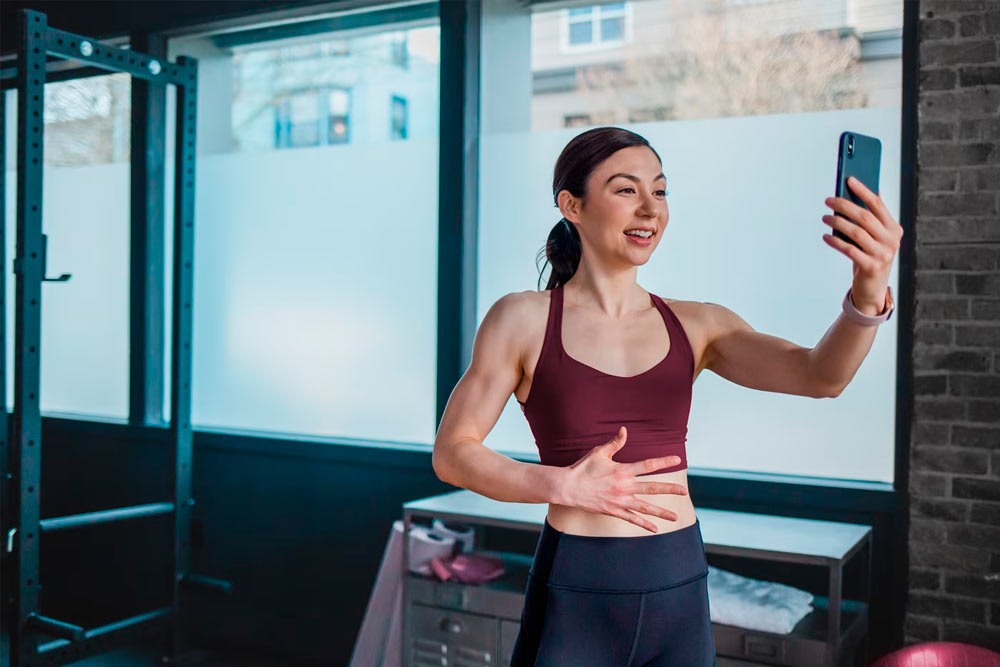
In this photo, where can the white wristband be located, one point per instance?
(857, 316)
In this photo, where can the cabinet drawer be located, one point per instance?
(508, 635)
(452, 638)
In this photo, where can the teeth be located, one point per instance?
(643, 234)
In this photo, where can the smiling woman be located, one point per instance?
(573, 187)
(609, 420)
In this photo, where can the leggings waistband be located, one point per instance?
(619, 564)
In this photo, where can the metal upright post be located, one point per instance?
(27, 426)
(7, 610)
(37, 639)
(183, 287)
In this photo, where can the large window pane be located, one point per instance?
(85, 216)
(316, 234)
(744, 102)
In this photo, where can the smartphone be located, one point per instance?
(859, 156)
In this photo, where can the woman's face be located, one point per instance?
(626, 192)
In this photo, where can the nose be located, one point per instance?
(648, 206)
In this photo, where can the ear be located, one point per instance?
(569, 206)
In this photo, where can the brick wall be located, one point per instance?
(954, 577)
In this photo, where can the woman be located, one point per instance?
(619, 575)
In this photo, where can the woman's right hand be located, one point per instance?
(598, 484)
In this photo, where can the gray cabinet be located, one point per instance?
(448, 637)
(448, 623)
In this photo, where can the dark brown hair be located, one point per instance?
(574, 166)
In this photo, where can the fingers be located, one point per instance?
(648, 465)
(859, 233)
(618, 441)
(871, 199)
(654, 510)
(659, 488)
(632, 517)
(859, 257)
(867, 219)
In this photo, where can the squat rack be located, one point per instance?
(37, 639)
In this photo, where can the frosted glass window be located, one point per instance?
(315, 272)
(732, 144)
(85, 215)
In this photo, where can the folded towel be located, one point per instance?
(755, 604)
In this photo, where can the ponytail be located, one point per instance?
(563, 250)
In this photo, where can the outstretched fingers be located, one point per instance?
(632, 517)
(654, 510)
(649, 465)
(657, 488)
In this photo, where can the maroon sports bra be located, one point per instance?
(573, 407)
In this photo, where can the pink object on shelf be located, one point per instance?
(471, 568)
(940, 654)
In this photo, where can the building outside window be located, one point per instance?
(312, 118)
(398, 118)
(595, 26)
(338, 116)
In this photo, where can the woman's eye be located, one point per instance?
(630, 189)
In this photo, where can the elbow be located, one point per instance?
(831, 392)
(439, 465)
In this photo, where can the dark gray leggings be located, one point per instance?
(616, 602)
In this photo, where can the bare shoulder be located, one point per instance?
(696, 316)
(516, 315)
(700, 325)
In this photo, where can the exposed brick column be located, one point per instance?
(954, 539)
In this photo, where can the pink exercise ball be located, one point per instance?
(940, 654)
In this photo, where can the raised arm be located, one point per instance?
(460, 457)
(757, 360)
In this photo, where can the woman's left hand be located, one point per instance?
(877, 233)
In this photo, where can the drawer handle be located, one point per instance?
(763, 647)
(451, 625)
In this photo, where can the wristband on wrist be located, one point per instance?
(857, 316)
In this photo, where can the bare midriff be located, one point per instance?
(578, 521)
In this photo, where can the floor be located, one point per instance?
(139, 657)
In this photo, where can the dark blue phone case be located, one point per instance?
(863, 163)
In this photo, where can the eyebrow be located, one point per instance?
(635, 179)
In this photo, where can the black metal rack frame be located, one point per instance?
(37, 639)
